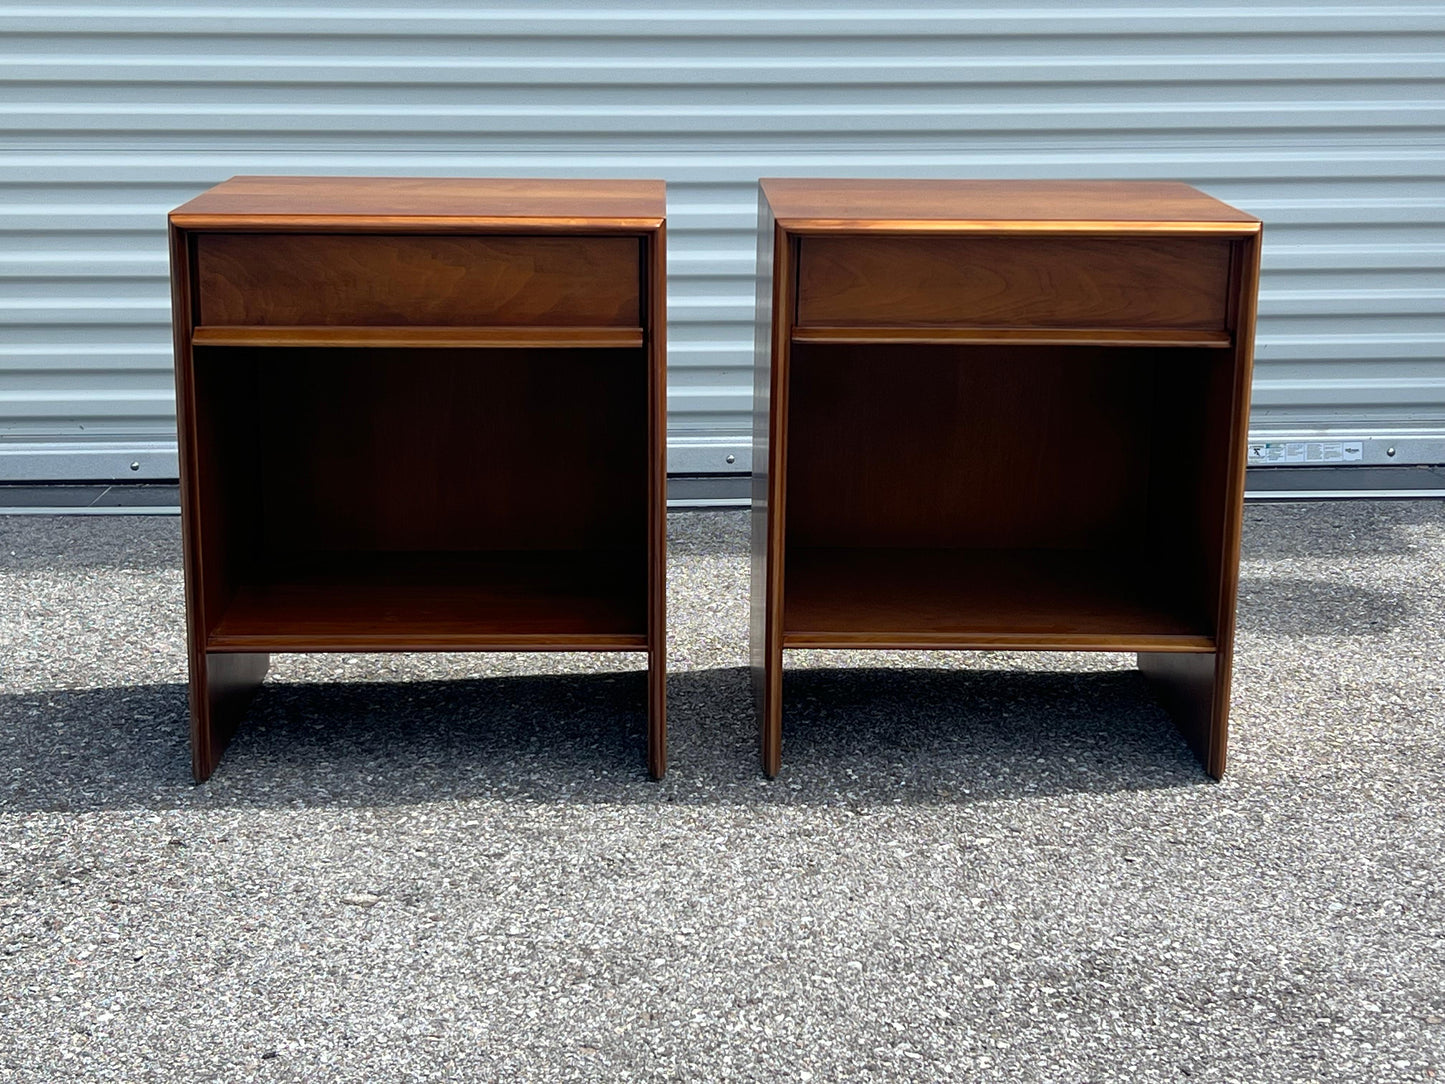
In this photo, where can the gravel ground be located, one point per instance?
(973, 867)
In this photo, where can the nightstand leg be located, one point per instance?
(767, 681)
(656, 714)
(1195, 690)
(772, 721)
(222, 685)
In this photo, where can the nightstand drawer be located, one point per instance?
(424, 280)
(1023, 281)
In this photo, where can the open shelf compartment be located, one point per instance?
(422, 498)
(986, 496)
(566, 599)
(985, 599)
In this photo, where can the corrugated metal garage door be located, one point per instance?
(1324, 121)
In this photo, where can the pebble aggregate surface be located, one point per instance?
(974, 866)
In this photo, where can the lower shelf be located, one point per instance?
(984, 599)
(538, 601)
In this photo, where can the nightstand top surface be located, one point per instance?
(486, 201)
(943, 204)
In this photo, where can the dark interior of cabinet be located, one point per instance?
(421, 492)
(1022, 491)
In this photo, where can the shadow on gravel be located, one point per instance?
(87, 543)
(1337, 529)
(852, 737)
(987, 734)
(1289, 607)
(708, 532)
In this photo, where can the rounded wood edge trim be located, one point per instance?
(282, 223)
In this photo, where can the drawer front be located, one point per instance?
(1015, 281)
(382, 280)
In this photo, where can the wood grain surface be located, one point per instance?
(772, 345)
(539, 336)
(802, 205)
(1001, 415)
(990, 447)
(970, 335)
(394, 204)
(426, 449)
(1028, 281)
(1102, 599)
(386, 601)
(654, 307)
(419, 414)
(331, 279)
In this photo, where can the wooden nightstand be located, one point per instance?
(418, 415)
(1002, 415)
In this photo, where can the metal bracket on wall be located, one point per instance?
(122, 462)
(1336, 466)
(1326, 449)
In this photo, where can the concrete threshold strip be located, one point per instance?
(95, 499)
